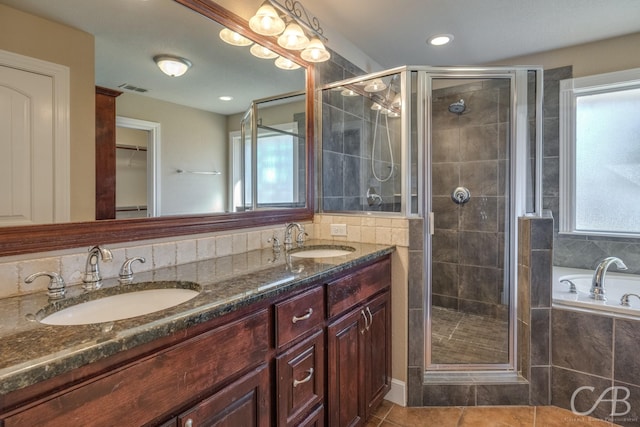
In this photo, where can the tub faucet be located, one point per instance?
(624, 301)
(92, 279)
(597, 283)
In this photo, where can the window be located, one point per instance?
(277, 167)
(600, 154)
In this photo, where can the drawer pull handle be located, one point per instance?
(370, 318)
(189, 423)
(307, 315)
(306, 379)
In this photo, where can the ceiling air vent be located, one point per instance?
(132, 88)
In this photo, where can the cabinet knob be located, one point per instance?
(306, 379)
(305, 316)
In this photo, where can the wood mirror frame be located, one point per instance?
(40, 238)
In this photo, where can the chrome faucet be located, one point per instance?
(288, 239)
(625, 299)
(92, 279)
(597, 283)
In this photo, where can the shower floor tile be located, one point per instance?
(458, 337)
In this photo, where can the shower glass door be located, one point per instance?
(469, 126)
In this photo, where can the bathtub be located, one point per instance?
(616, 285)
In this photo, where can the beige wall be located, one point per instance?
(615, 54)
(35, 37)
(191, 139)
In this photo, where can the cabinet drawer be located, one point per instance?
(346, 292)
(298, 315)
(300, 373)
(144, 391)
(244, 402)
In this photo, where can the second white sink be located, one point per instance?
(322, 252)
(120, 306)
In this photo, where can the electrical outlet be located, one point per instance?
(338, 229)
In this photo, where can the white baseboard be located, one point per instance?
(397, 394)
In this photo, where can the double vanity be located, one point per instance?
(262, 338)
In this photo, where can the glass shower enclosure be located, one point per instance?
(460, 148)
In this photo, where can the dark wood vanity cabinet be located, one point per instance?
(358, 344)
(315, 357)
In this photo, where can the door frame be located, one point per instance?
(154, 188)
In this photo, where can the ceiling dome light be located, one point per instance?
(375, 85)
(440, 39)
(286, 64)
(293, 37)
(262, 52)
(266, 21)
(315, 51)
(172, 66)
(234, 38)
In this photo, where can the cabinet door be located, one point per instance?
(377, 351)
(300, 382)
(345, 363)
(244, 402)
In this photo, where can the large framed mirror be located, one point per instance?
(189, 29)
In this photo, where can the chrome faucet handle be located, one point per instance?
(126, 273)
(276, 243)
(572, 286)
(301, 236)
(56, 288)
(624, 301)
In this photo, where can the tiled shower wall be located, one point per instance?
(470, 150)
(348, 130)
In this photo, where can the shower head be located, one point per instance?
(457, 107)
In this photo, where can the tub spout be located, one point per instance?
(597, 283)
(624, 301)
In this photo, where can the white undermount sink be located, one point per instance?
(120, 306)
(322, 251)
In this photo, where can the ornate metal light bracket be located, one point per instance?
(298, 13)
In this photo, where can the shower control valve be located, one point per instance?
(461, 195)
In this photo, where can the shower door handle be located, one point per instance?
(461, 195)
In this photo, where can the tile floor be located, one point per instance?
(391, 415)
(459, 337)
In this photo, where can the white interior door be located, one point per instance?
(34, 141)
(26, 151)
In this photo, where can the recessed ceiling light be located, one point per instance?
(440, 39)
(225, 98)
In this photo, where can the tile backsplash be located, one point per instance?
(167, 252)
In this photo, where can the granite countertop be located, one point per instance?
(31, 351)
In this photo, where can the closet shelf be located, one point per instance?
(131, 147)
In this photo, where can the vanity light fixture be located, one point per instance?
(293, 26)
(376, 107)
(375, 85)
(262, 52)
(286, 64)
(267, 21)
(293, 37)
(349, 92)
(234, 38)
(172, 66)
(315, 51)
(440, 39)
